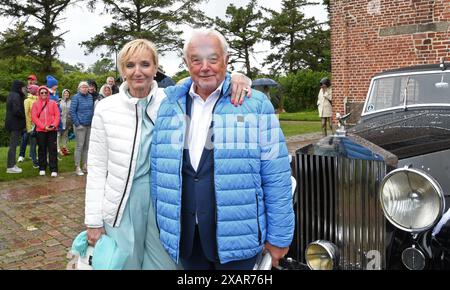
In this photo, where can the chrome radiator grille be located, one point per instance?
(337, 201)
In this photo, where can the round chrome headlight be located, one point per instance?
(411, 199)
(322, 255)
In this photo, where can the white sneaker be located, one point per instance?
(54, 174)
(21, 159)
(14, 169)
(42, 172)
(79, 172)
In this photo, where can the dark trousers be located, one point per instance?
(23, 147)
(198, 260)
(14, 139)
(47, 144)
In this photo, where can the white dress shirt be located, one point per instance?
(201, 117)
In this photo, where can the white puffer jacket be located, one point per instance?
(113, 150)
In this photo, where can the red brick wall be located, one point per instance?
(370, 36)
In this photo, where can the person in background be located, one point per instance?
(30, 133)
(15, 122)
(32, 80)
(66, 122)
(93, 90)
(105, 91)
(112, 83)
(324, 105)
(52, 85)
(81, 113)
(45, 114)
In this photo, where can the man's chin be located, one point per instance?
(207, 86)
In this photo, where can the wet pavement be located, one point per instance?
(40, 217)
(296, 142)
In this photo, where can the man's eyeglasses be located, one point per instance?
(43, 93)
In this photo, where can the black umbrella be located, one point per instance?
(264, 82)
(163, 80)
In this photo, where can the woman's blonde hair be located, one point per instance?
(102, 89)
(133, 47)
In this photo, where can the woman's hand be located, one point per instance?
(94, 234)
(240, 87)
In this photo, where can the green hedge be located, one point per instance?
(300, 90)
(14, 69)
(4, 136)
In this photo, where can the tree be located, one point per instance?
(47, 14)
(316, 52)
(327, 4)
(102, 66)
(242, 30)
(154, 20)
(15, 41)
(68, 68)
(300, 42)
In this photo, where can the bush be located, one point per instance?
(300, 90)
(14, 69)
(4, 135)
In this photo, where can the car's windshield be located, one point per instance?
(419, 89)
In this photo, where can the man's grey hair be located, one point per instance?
(83, 83)
(206, 32)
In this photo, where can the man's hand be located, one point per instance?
(94, 234)
(240, 87)
(276, 253)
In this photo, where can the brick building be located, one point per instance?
(370, 36)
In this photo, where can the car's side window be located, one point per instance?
(382, 95)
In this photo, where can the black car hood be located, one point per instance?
(407, 133)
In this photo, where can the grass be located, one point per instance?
(300, 116)
(292, 128)
(67, 164)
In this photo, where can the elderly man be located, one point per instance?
(112, 83)
(221, 176)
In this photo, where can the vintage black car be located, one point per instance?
(375, 196)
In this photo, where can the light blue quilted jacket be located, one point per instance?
(251, 174)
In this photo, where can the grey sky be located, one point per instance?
(82, 25)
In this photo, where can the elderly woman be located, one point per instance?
(118, 202)
(81, 112)
(105, 91)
